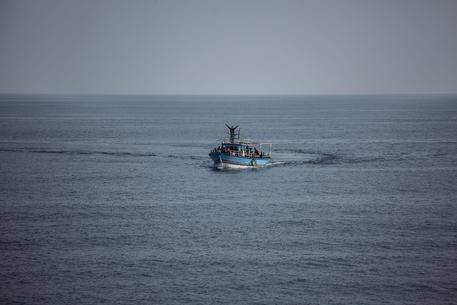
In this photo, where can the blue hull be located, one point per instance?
(219, 157)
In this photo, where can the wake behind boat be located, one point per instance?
(238, 153)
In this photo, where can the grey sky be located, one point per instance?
(228, 47)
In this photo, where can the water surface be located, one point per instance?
(113, 200)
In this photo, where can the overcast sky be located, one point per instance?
(228, 47)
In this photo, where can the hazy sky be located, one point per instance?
(228, 47)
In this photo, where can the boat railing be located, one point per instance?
(237, 141)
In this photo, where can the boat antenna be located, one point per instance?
(233, 132)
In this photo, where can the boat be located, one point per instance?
(235, 152)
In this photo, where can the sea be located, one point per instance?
(114, 200)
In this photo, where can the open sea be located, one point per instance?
(113, 200)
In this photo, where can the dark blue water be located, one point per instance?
(112, 200)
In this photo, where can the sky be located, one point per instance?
(228, 47)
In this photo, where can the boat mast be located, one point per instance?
(233, 134)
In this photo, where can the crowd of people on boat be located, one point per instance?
(249, 152)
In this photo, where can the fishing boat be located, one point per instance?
(235, 152)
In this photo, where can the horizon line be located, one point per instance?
(227, 94)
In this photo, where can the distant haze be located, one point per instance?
(228, 47)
